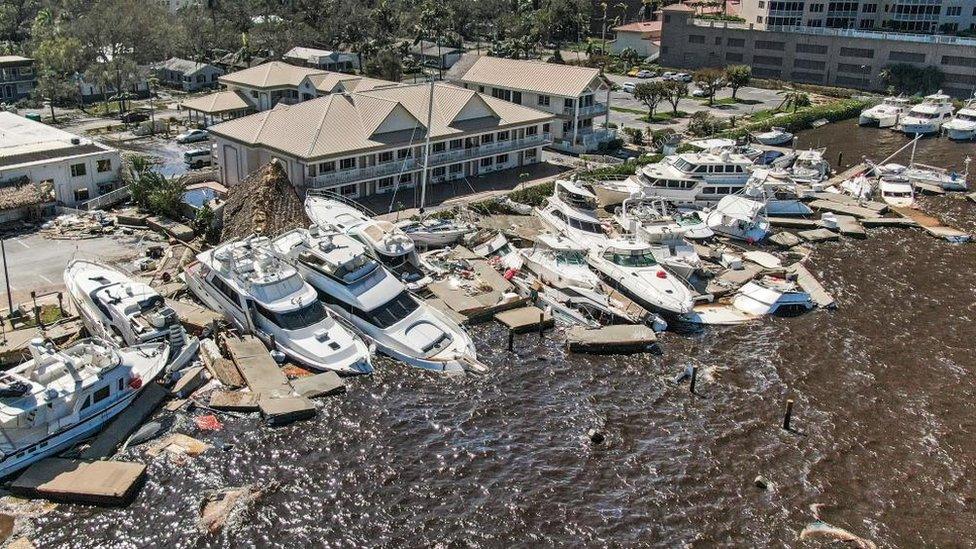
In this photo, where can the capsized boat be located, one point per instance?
(60, 397)
(885, 114)
(629, 267)
(264, 296)
(740, 218)
(117, 308)
(498, 250)
(775, 136)
(770, 295)
(371, 301)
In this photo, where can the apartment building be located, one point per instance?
(850, 58)
(17, 78)
(186, 75)
(369, 142)
(915, 16)
(577, 96)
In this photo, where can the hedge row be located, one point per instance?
(802, 119)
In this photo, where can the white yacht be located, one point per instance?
(629, 267)
(774, 136)
(127, 312)
(810, 167)
(740, 218)
(571, 212)
(928, 116)
(962, 127)
(433, 232)
(885, 114)
(266, 297)
(60, 397)
(498, 249)
(559, 262)
(357, 289)
(772, 296)
(648, 221)
(689, 179)
(947, 180)
(778, 191)
(384, 241)
(896, 190)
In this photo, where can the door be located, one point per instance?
(231, 166)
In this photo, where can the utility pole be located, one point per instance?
(6, 278)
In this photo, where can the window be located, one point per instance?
(734, 57)
(486, 162)
(501, 159)
(456, 144)
(957, 61)
(503, 136)
(406, 179)
(530, 153)
(347, 163)
(349, 191)
(78, 170)
(120, 384)
(954, 11)
(487, 138)
(769, 45)
(767, 60)
(384, 157)
(906, 56)
(869, 8)
(439, 171)
(736, 42)
(384, 184)
(809, 64)
(440, 146)
(759, 19)
(544, 100)
(457, 168)
(404, 153)
(102, 394)
(811, 48)
(546, 128)
(816, 8)
(815, 23)
(517, 97)
(104, 165)
(294, 320)
(481, 89)
(82, 195)
(391, 312)
(225, 289)
(501, 94)
(718, 40)
(696, 39)
(327, 167)
(87, 402)
(531, 130)
(857, 52)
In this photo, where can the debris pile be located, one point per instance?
(264, 203)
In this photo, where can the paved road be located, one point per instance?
(756, 99)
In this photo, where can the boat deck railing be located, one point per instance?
(332, 195)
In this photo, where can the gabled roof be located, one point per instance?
(184, 66)
(339, 125)
(314, 55)
(222, 101)
(640, 26)
(6, 60)
(274, 74)
(533, 76)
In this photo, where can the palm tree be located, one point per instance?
(793, 98)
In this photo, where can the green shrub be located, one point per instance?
(802, 119)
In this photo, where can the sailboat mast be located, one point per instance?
(423, 174)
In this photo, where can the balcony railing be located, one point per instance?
(595, 109)
(436, 159)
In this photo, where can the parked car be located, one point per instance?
(644, 74)
(133, 117)
(633, 72)
(192, 136)
(668, 75)
(698, 92)
(683, 77)
(198, 158)
(628, 87)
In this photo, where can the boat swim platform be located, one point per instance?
(525, 319)
(79, 481)
(933, 225)
(126, 422)
(615, 339)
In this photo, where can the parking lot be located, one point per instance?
(753, 99)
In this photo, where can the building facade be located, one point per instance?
(644, 37)
(915, 16)
(17, 78)
(577, 96)
(364, 143)
(847, 58)
(186, 75)
(323, 59)
(77, 168)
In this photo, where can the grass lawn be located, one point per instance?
(765, 114)
(49, 314)
(729, 101)
(625, 109)
(665, 116)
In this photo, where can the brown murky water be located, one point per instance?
(883, 388)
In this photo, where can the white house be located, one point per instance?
(77, 168)
(189, 76)
(369, 142)
(323, 59)
(644, 37)
(576, 95)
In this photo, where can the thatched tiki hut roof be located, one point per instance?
(264, 203)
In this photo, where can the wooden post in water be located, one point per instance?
(789, 415)
(511, 341)
(694, 379)
(542, 325)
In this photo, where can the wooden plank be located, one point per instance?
(847, 209)
(257, 367)
(879, 207)
(222, 369)
(812, 286)
(76, 481)
(124, 424)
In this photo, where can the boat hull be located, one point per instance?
(961, 134)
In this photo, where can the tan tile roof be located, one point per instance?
(274, 74)
(222, 101)
(337, 125)
(534, 76)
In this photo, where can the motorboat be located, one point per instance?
(740, 218)
(774, 136)
(629, 267)
(559, 262)
(261, 295)
(771, 295)
(358, 290)
(571, 212)
(384, 240)
(648, 221)
(434, 232)
(896, 190)
(885, 114)
(777, 189)
(60, 397)
(810, 167)
(860, 186)
(116, 308)
(962, 127)
(497, 249)
(611, 192)
(928, 116)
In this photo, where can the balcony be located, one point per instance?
(587, 140)
(436, 159)
(596, 109)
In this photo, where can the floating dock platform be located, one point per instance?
(525, 319)
(933, 226)
(620, 338)
(77, 481)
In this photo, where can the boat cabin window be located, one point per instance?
(102, 394)
(121, 386)
(702, 169)
(683, 165)
(297, 319)
(559, 215)
(967, 117)
(644, 259)
(585, 226)
(570, 257)
(87, 402)
(225, 289)
(925, 115)
(391, 312)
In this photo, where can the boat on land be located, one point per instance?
(885, 114)
(740, 218)
(774, 136)
(60, 397)
(571, 212)
(368, 299)
(559, 262)
(116, 308)
(927, 117)
(261, 295)
(778, 191)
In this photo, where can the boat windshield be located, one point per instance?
(636, 259)
(297, 319)
(926, 115)
(586, 226)
(966, 117)
(570, 257)
(576, 200)
(391, 312)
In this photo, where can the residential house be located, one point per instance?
(576, 95)
(323, 59)
(78, 169)
(369, 142)
(17, 78)
(644, 37)
(217, 107)
(90, 92)
(189, 76)
(434, 56)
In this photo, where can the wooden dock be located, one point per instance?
(879, 207)
(818, 235)
(525, 319)
(619, 338)
(76, 481)
(258, 369)
(793, 222)
(933, 225)
(812, 286)
(845, 209)
(124, 424)
(889, 222)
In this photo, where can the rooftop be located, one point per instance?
(14, 60)
(177, 64)
(640, 26)
(24, 141)
(274, 74)
(848, 33)
(343, 123)
(534, 76)
(222, 101)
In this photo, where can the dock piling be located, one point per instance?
(694, 379)
(511, 341)
(542, 325)
(788, 416)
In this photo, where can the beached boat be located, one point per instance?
(629, 267)
(885, 114)
(559, 262)
(434, 232)
(571, 212)
(264, 296)
(740, 218)
(775, 136)
(778, 191)
(127, 312)
(928, 116)
(60, 397)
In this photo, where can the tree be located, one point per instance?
(709, 81)
(630, 56)
(793, 98)
(650, 94)
(56, 55)
(703, 124)
(910, 79)
(737, 76)
(674, 91)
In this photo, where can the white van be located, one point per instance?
(198, 158)
(628, 87)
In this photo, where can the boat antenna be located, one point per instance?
(423, 174)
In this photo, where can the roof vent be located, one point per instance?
(75, 141)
